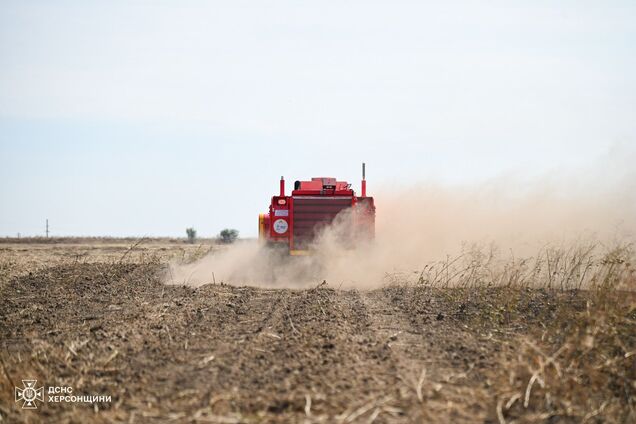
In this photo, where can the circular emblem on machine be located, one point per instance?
(280, 226)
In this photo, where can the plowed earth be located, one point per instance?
(219, 353)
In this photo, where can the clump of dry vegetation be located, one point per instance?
(581, 365)
(566, 320)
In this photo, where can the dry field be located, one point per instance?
(522, 344)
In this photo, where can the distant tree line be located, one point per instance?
(226, 236)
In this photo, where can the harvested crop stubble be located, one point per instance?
(475, 339)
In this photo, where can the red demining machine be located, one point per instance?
(295, 222)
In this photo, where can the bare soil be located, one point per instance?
(219, 353)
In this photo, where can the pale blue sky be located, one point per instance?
(144, 117)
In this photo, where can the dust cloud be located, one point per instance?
(422, 223)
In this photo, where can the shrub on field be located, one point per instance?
(192, 234)
(228, 235)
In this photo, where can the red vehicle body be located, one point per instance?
(295, 221)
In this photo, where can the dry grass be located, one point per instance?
(581, 365)
(566, 320)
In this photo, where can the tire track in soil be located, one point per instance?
(378, 398)
(209, 332)
(154, 348)
(434, 358)
(409, 351)
(237, 346)
(316, 360)
(238, 354)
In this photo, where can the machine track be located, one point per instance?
(219, 353)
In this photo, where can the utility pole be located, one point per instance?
(47, 228)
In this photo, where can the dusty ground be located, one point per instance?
(98, 318)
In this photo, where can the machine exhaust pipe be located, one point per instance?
(282, 186)
(364, 182)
